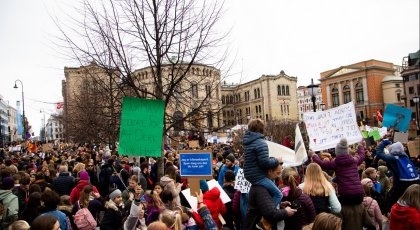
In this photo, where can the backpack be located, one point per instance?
(406, 169)
(84, 219)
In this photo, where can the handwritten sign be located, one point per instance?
(195, 163)
(141, 127)
(397, 117)
(326, 128)
(241, 183)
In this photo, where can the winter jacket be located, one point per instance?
(304, 215)
(404, 217)
(11, 204)
(63, 184)
(372, 208)
(133, 218)
(345, 167)
(257, 160)
(333, 205)
(213, 202)
(75, 192)
(113, 217)
(260, 204)
(223, 169)
(62, 219)
(169, 184)
(355, 217)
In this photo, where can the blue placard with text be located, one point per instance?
(195, 164)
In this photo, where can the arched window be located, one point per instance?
(347, 94)
(287, 90)
(255, 93)
(335, 97)
(223, 99)
(359, 93)
(278, 90)
(283, 90)
(230, 99)
(258, 92)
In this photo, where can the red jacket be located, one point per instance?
(213, 202)
(75, 192)
(404, 217)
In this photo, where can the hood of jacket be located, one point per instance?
(165, 180)
(81, 184)
(250, 137)
(213, 194)
(4, 194)
(401, 213)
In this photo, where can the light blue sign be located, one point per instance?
(195, 164)
(397, 117)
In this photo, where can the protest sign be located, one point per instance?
(223, 195)
(375, 134)
(195, 165)
(241, 183)
(193, 144)
(47, 147)
(277, 150)
(397, 117)
(414, 147)
(401, 137)
(326, 128)
(300, 151)
(141, 127)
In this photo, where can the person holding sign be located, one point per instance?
(257, 160)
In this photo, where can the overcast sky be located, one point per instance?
(301, 37)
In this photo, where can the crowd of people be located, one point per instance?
(349, 187)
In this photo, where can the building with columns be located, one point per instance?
(361, 83)
(270, 97)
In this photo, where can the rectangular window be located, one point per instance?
(347, 97)
(335, 100)
(359, 96)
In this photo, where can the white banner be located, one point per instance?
(241, 183)
(326, 128)
(300, 151)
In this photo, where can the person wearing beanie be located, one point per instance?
(204, 186)
(229, 165)
(350, 191)
(397, 153)
(84, 180)
(114, 211)
(9, 200)
(257, 159)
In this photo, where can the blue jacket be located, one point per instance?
(257, 160)
(222, 171)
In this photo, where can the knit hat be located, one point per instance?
(366, 181)
(7, 183)
(342, 147)
(395, 148)
(83, 175)
(114, 194)
(204, 186)
(231, 158)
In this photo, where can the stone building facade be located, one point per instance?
(270, 97)
(359, 82)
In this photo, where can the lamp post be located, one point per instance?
(322, 106)
(312, 89)
(23, 108)
(416, 101)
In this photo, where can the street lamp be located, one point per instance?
(322, 106)
(416, 100)
(313, 89)
(23, 107)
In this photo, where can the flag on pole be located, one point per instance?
(379, 115)
(300, 151)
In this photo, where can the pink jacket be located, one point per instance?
(372, 207)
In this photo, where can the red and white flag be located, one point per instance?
(379, 115)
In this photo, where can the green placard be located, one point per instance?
(141, 127)
(365, 134)
(375, 134)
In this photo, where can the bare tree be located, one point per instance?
(168, 37)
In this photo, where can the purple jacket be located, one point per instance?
(345, 167)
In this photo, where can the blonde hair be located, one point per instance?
(19, 225)
(327, 221)
(157, 225)
(367, 172)
(173, 220)
(78, 168)
(315, 182)
(411, 196)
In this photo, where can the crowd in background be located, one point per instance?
(349, 187)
